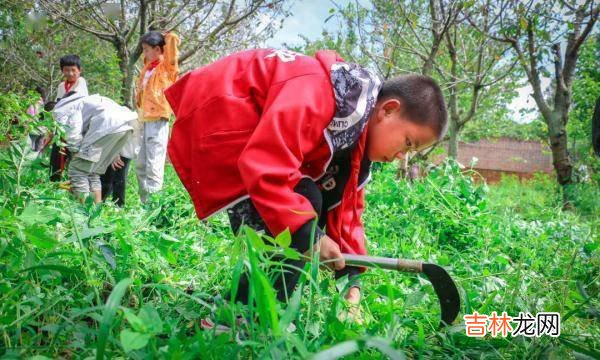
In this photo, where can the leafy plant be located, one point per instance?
(87, 281)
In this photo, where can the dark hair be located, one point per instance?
(153, 38)
(70, 60)
(49, 106)
(421, 98)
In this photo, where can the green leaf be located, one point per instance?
(35, 214)
(91, 232)
(131, 340)
(255, 241)
(168, 238)
(40, 237)
(383, 346)
(523, 23)
(291, 253)
(151, 319)
(136, 323)
(292, 310)
(263, 293)
(114, 299)
(284, 239)
(109, 255)
(59, 268)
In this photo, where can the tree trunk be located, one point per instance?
(453, 139)
(126, 72)
(557, 135)
(127, 88)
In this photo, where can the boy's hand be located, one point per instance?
(118, 163)
(353, 295)
(330, 250)
(352, 312)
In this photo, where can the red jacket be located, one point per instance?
(253, 124)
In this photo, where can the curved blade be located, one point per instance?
(446, 291)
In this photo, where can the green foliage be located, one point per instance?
(135, 282)
(32, 44)
(504, 127)
(13, 115)
(586, 91)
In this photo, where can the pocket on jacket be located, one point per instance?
(224, 114)
(230, 137)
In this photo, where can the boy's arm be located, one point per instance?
(294, 116)
(73, 131)
(171, 55)
(350, 242)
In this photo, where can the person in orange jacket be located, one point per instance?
(159, 72)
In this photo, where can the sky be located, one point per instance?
(308, 18)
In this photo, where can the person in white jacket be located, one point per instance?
(70, 66)
(96, 129)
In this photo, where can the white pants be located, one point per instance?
(150, 166)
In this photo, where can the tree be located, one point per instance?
(586, 91)
(400, 36)
(537, 32)
(212, 25)
(429, 37)
(476, 65)
(30, 48)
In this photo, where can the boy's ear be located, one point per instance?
(391, 106)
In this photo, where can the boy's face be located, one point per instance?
(151, 53)
(71, 73)
(391, 135)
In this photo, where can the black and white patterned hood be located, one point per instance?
(355, 90)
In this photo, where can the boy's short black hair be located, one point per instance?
(70, 60)
(421, 98)
(154, 38)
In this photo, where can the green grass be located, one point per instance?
(509, 247)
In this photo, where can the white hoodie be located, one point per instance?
(89, 118)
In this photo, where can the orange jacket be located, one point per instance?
(150, 99)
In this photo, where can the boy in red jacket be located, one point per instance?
(281, 140)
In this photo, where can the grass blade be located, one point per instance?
(110, 309)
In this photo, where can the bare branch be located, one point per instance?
(226, 23)
(574, 44)
(60, 14)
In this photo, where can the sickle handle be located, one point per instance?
(384, 263)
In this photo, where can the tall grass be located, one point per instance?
(104, 282)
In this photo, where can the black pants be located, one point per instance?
(245, 213)
(114, 181)
(59, 157)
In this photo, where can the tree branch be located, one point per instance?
(58, 13)
(224, 24)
